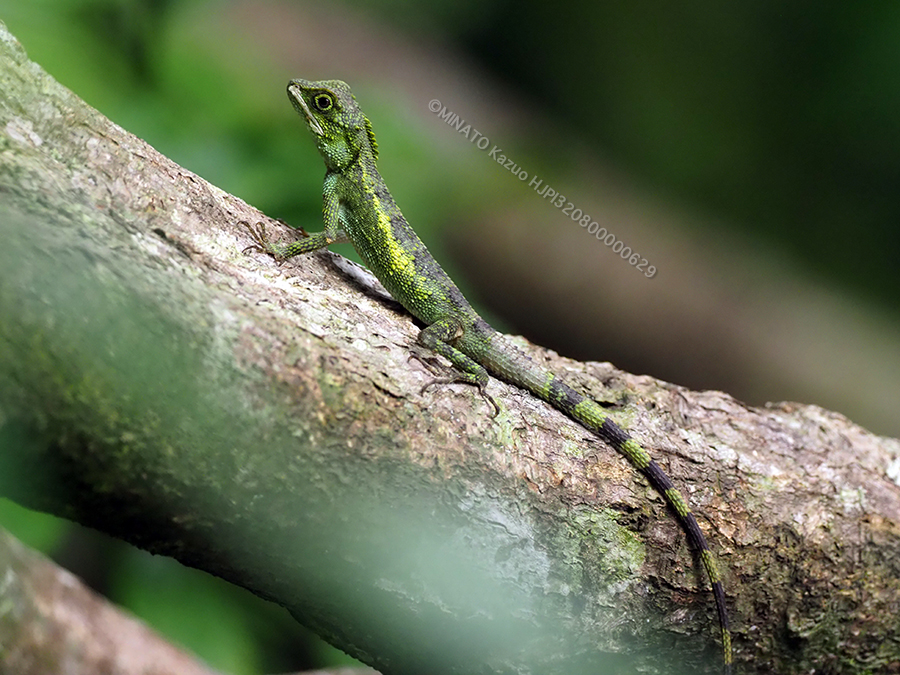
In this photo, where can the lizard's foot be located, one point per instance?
(456, 377)
(281, 252)
(260, 239)
(461, 378)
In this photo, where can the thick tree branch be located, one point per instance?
(263, 423)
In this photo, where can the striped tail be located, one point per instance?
(561, 396)
(587, 412)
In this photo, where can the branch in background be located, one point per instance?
(52, 623)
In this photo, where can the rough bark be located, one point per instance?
(264, 424)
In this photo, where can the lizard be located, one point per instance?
(359, 208)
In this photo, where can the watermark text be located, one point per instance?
(544, 190)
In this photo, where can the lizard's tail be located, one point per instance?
(586, 411)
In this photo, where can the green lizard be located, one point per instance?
(359, 208)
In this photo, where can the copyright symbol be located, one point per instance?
(434, 105)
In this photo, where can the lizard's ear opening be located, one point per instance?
(371, 135)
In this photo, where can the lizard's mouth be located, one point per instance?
(301, 107)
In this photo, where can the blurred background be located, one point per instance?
(747, 153)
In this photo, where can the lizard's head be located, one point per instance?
(340, 128)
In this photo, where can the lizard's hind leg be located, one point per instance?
(437, 338)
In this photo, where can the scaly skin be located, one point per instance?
(359, 208)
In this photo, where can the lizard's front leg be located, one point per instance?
(310, 242)
(332, 234)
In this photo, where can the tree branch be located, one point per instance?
(52, 623)
(263, 423)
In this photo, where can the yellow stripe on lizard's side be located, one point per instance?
(399, 264)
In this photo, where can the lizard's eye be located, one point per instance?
(323, 102)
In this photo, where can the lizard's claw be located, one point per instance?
(258, 234)
(489, 399)
(460, 378)
(430, 365)
(261, 241)
(454, 378)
